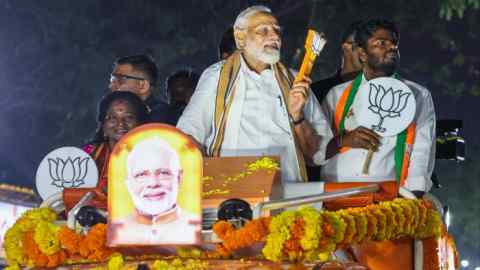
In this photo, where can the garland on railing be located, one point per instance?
(36, 241)
(308, 234)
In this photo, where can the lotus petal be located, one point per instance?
(381, 93)
(52, 169)
(57, 183)
(402, 102)
(374, 109)
(59, 169)
(68, 172)
(373, 94)
(396, 98)
(83, 169)
(387, 101)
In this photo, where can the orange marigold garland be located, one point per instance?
(254, 231)
(292, 247)
(93, 245)
(351, 228)
(39, 259)
(305, 234)
(70, 240)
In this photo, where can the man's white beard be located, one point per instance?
(150, 207)
(271, 56)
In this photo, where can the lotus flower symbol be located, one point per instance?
(386, 103)
(69, 173)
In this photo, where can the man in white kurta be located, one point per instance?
(378, 45)
(260, 119)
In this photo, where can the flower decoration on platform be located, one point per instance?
(302, 235)
(311, 235)
(36, 241)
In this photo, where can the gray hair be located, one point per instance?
(242, 18)
(149, 148)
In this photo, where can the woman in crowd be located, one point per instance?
(118, 112)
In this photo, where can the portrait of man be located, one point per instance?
(153, 179)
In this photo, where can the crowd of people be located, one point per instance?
(248, 103)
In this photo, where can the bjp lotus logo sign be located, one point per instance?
(68, 173)
(65, 167)
(386, 103)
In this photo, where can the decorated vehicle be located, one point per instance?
(250, 220)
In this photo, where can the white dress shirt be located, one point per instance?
(347, 166)
(258, 122)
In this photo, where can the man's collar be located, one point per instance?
(163, 218)
(364, 79)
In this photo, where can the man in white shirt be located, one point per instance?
(249, 105)
(378, 51)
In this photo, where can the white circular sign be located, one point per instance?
(65, 167)
(385, 105)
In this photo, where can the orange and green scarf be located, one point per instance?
(405, 139)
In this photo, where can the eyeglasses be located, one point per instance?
(121, 78)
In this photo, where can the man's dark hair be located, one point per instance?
(143, 63)
(227, 43)
(366, 30)
(141, 110)
(351, 30)
(182, 74)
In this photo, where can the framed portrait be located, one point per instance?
(154, 191)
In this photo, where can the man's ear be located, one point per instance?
(362, 54)
(240, 36)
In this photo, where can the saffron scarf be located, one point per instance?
(226, 88)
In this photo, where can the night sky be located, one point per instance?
(56, 56)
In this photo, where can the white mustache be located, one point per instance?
(153, 191)
(273, 45)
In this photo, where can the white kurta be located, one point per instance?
(347, 166)
(258, 121)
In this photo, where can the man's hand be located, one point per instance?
(361, 137)
(297, 98)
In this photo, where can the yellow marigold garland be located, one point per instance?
(13, 243)
(308, 234)
(305, 234)
(361, 222)
(399, 217)
(313, 228)
(372, 222)
(46, 237)
(351, 226)
(279, 233)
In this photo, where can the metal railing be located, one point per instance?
(322, 197)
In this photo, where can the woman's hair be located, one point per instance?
(139, 107)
